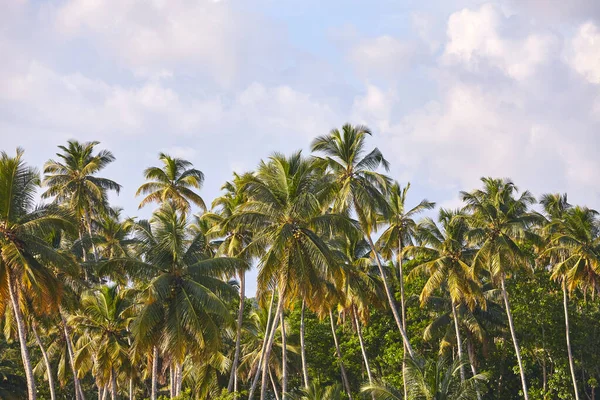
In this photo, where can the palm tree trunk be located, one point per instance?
(275, 390)
(284, 374)
(233, 379)
(391, 299)
(403, 311)
(171, 381)
(100, 391)
(178, 378)
(104, 392)
(78, 391)
(262, 350)
(458, 342)
(514, 337)
(131, 395)
(568, 336)
(362, 345)
(472, 362)
(46, 361)
(338, 352)
(113, 385)
(153, 395)
(269, 347)
(303, 346)
(14, 298)
(88, 221)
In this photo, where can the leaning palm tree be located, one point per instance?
(360, 189)
(499, 222)
(183, 302)
(573, 249)
(446, 256)
(74, 181)
(284, 210)
(174, 182)
(432, 380)
(24, 252)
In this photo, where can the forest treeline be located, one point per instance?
(363, 292)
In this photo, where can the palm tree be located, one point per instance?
(445, 253)
(174, 182)
(359, 188)
(499, 221)
(432, 380)
(399, 233)
(183, 305)
(232, 240)
(24, 252)
(573, 249)
(74, 182)
(284, 211)
(103, 321)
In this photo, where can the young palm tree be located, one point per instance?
(284, 211)
(499, 221)
(183, 307)
(74, 182)
(24, 252)
(446, 254)
(573, 249)
(360, 189)
(174, 182)
(432, 380)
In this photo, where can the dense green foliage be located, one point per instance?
(358, 296)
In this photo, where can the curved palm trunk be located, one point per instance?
(362, 346)
(284, 375)
(568, 336)
(338, 353)
(233, 379)
(14, 299)
(514, 337)
(262, 351)
(46, 361)
(153, 396)
(391, 299)
(403, 311)
(303, 346)
(275, 390)
(269, 347)
(78, 391)
(458, 342)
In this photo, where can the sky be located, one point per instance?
(453, 90)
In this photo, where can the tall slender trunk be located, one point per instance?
(284, 374)
(514, 337)
(78, 391)
(104, 392)
(303, 346)
(83, 254)
(391, 299)
(338, 353)
(275, 390)
(568, 336)
(153, 395)
(171, 381)
(233, 379)
(362, 345)
(46, 361)
(403, 311)
(262, 351)
(471, 354)
(113, 385)
(88, 221)
(178, 378)
(269, 347)
(458, 342)
(14, 298)
(100, 390)
(131, 395)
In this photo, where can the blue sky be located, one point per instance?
(453, 89)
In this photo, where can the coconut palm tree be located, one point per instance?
(499, 221)
(103, 346)
(360, 189)
(432, 380)
(284, 210)
(73, 181)
(573, 250)
(183, 307)
(446, 255)
(174, 182)
(24, 252)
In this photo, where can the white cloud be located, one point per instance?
(383, 56)
(584, 52)
(476, 40)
